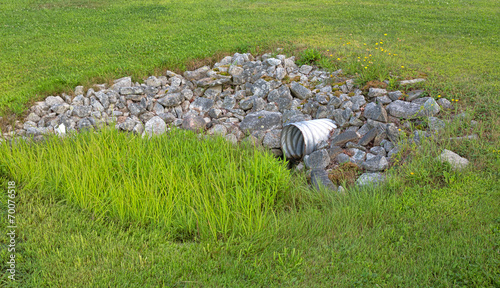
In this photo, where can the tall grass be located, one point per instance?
(200, 188)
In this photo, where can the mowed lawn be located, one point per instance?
(428, 226)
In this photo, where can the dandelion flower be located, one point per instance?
(439, 96)
(402, 66)
(331, 55)
(366, 67)
(376, 43)
(412, 173)
(327, 50)
(364, 44)
(370, 55)
(338, 59)
(381, 42)
(385, 34)
(399, 129)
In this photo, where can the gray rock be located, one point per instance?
(300, 91)
(388, 146)
(247, 103)
(218, 129)
(342, 117)
(354, 145)
(335, 102)
(261, 121)
(403, 109)
(342, 158)
(136, 109)
(436, 124)
(138, 129)
(456, 162)
(82, 111)
(334, 151)
(414, 95)
(258, 104)
(280, 73)
(292, 116)
(430, 108)
(368, 137)
(318, 159)
(305, 69)
(375, 164)
(79, 90)
(376, 92)
(445, 104)
(196, 74)
(375, 112)
(193, 123)
(213, 92)
(202, 104)
(187, 94)
(153, 81)
(158, 108)
(103, 99)
(232, 138)
(144, 117)
(33, 117)
(167, 117)
(155, 126)
(84, 124)
(384, 100)
(412, 81)
(359, 100)
(131, 91)
(393, 152)
(343, 138)
(171, 100)
(284, 104)
(127, 125)
(393, 132)
(215, 113)
(396, 95)
(370, 179)
(358, 157)
(378, 150)
(122, 82)
(260, 88)
(320, 180)
(272, 139)
(54, 100)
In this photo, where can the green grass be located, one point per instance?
(174, 181)
(429, 226)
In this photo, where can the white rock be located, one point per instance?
(453, 159)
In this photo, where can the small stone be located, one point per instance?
(155, 126)
(413, 81)
(370, 179)
(430, 108)
(378, 150)
(368, 137)
(436, 124)
(84, 124)
(122, 82)
(232, 138)
(403, 109)
(414, 95)
(262, 120)
(320, 180)
(272, 139)
(395, 95)
(171, 100)
(82, 111)
(393, 132)
(202, 104)
(218, 129)
(193, 123)
(54, 100)
(318, 159)
(138, 129)
(358, 157)
(376, 92)
(375, 112)
(136, 109)
(305, 69)
(343, 138)
(375, 164)
(456, 162)
(300, 91)
(342, 158)
(33, 117)
(127, 125)
(445, 104)
(334, 151)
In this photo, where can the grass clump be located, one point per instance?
(345, 174)
(206, 189)
(309, 56)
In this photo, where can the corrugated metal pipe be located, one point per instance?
(301, 138)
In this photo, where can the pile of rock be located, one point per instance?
(245, 97)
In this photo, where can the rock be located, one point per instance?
(413, 81)
(436, 124)
(300, 91)
(60, 129)
(359, 100)
(388, 146)
(368, 137)
(318, 159)
(430, 108)
(218, 129)
(171, 100)
(232, 138)
(153, 81)
(127, 125)
(375, 112)
(131, 91)
(138, 129)
(54, 100)
(196, 74)
(445, 104)
(336, 102)
(292, 116)
(84, 124)
(272, 139)
(343, 138)
(378, 150)
(384, 100)
(358, 157)
(167, 117)
(403, 109)
(202, 104)
(375, 164)
(215, 113)
(342, 158)
(396, 95)
(280, 73)
(305, 69)
(456, 162)
(154, 126)
(213, 92)
(394, 151)
(393, 133)
(370, 179)
(376, 92)
(122, 82)
(320, 180)
(258, 104)
(136, 109)
(193, 123)
(82, 111)
(33, 117)
(414, 95)
(79, 90)
(261, 121)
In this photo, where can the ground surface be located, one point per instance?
(427, 227)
